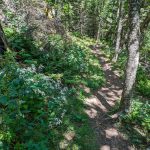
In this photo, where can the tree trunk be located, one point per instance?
(133, 49)
(98, 32)
(3, 42)
(81, 18)
(119, 30)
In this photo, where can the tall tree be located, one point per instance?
(119, 29)
(3, 42)
(100, 7)
(133, 50)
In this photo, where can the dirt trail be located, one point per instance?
(107, 135)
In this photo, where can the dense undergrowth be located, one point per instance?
(41, 100)
(137, 123)
(40, 97)
(43, 75)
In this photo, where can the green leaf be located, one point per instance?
(3, 100)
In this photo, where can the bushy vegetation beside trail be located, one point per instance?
(50, 70)
(32, 105)
(73, 62)
(40, 95)
(137, 123)
(143, 83)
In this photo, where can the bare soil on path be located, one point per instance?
(108, 136)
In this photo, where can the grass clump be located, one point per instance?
(136, 124)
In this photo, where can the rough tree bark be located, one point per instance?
(99, 32)
(3, 41)
(82, 17)
(119, 30)
(133, 58)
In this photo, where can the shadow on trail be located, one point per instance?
(107, 135)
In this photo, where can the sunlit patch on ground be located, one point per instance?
(111, 132)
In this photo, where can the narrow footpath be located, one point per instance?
(103, 100)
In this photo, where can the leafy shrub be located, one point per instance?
(73, 63)
(143, 83)
(139, 117)
(31, 104)
(76, 64)
(20, 40)
(36, 107)
(146, 44)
